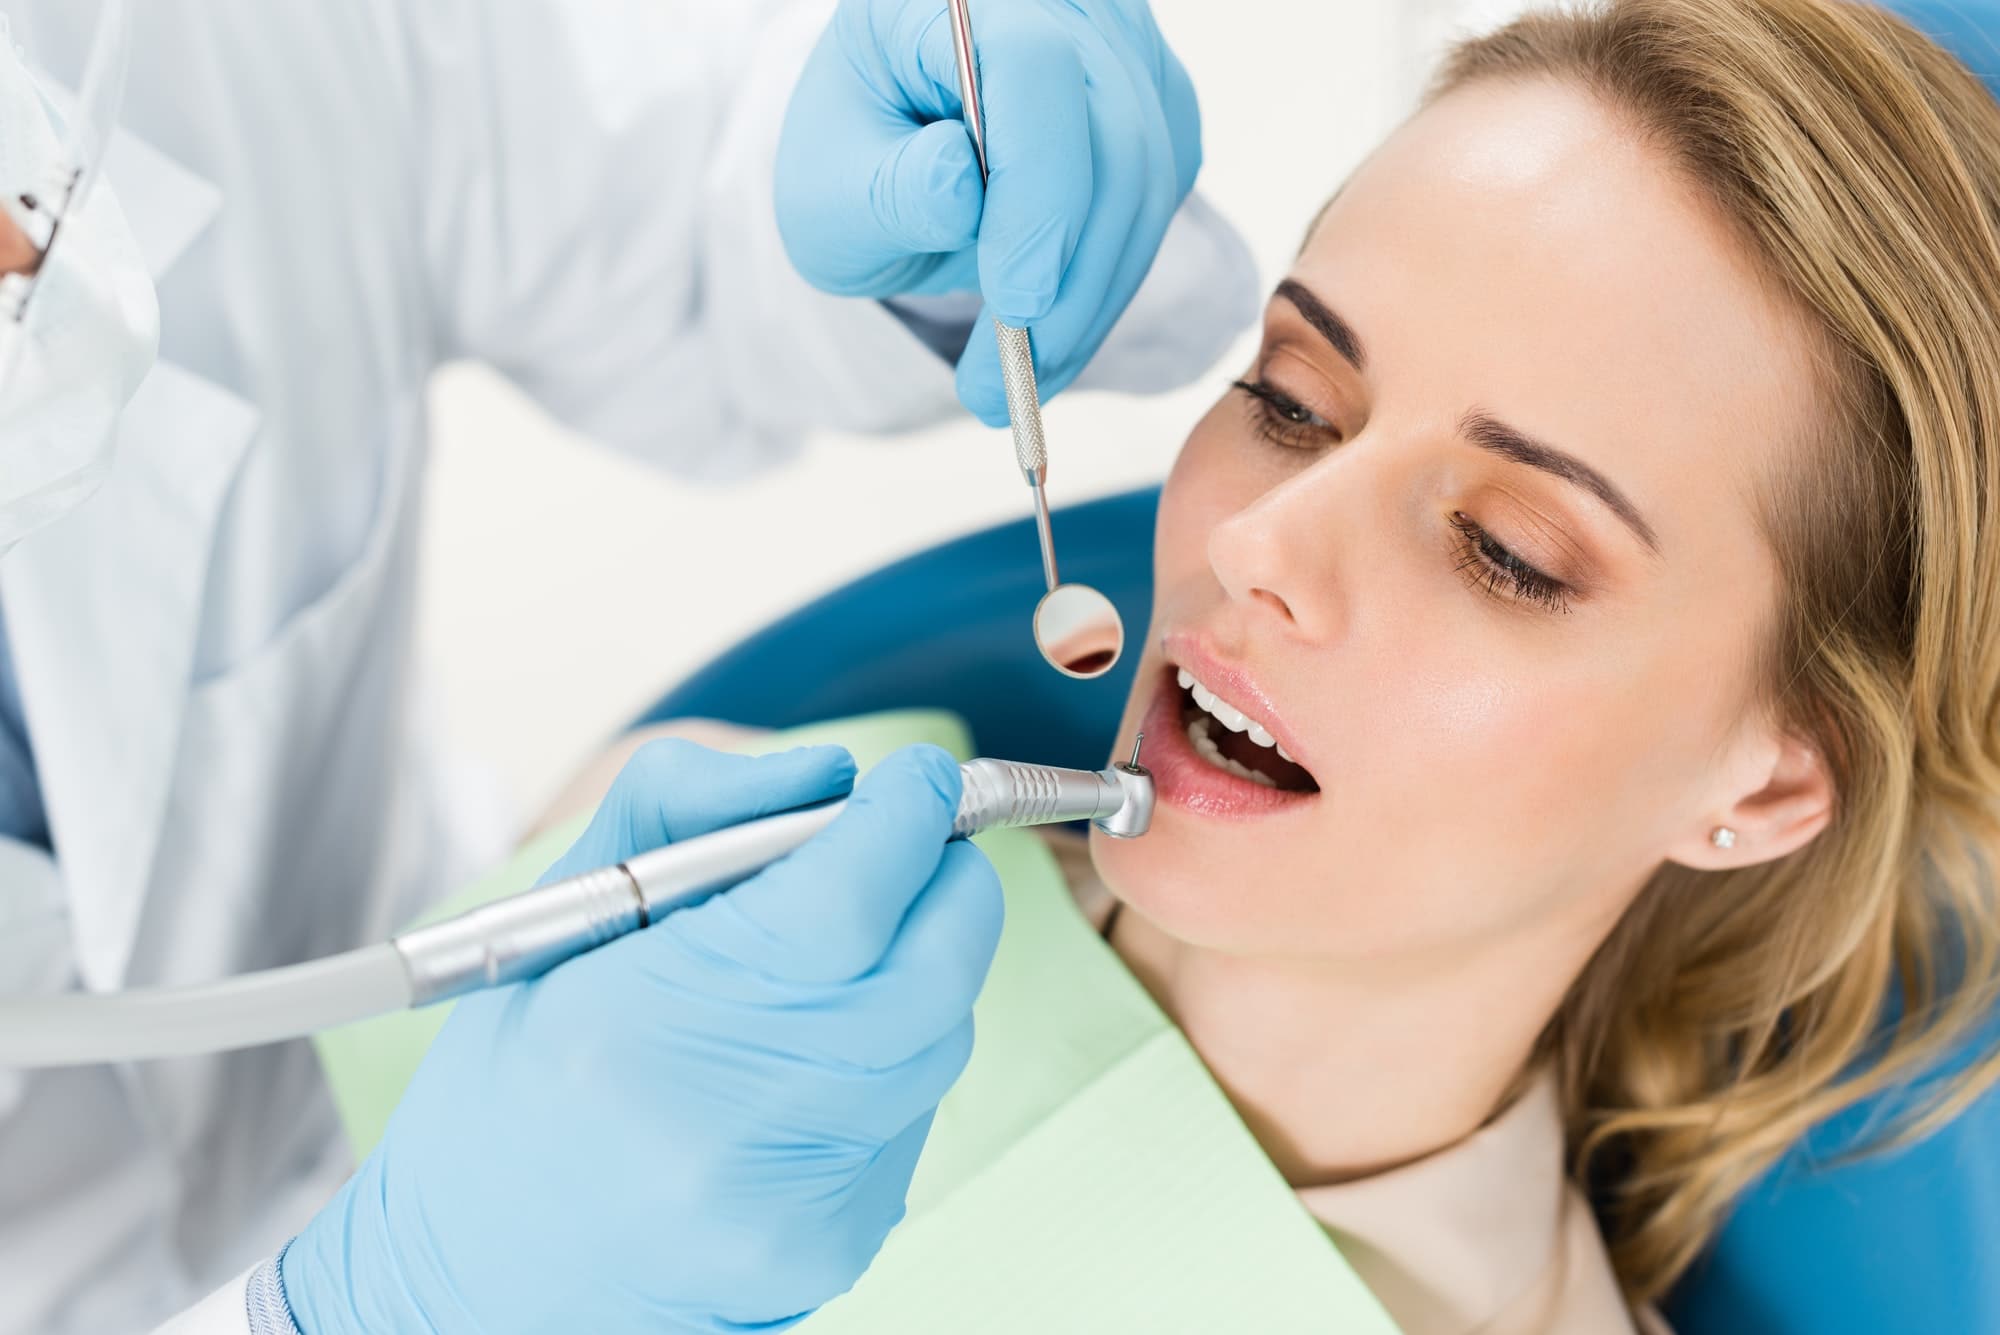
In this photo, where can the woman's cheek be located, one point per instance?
(1517, 749)
(1201, 490)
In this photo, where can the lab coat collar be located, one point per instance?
(103, 605)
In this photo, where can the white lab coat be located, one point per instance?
(214, 652)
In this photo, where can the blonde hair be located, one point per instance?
(1731, 1011)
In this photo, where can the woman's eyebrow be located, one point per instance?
(1489, 433)
(1482, 429)
(1321, 317)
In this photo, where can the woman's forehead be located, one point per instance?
(1519, 248)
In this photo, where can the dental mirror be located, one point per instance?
(1076, 627)
(1078, 631)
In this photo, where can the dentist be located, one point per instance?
(223, 304)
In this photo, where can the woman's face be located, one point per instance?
(1479, 547)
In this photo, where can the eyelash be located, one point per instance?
(1485, 563)
(1284, 421)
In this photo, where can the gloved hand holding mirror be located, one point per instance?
(890, 184)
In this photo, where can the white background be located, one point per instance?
(565, 586)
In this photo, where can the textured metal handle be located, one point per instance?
(1004, 793)
(1017, 355)
(1024, 403)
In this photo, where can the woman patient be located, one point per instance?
(1576, 650)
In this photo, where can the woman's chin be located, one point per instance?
(1213, 868)
(1188, 891)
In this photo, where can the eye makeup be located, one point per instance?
(1486, 563)
(1489, 566)
(1283, 420)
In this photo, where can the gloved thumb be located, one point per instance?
(926, 194)
(828, 911)
(869, 194)
(672, 789)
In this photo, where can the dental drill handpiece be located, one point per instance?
(531, 932)
(1017, 354)
(516, 938)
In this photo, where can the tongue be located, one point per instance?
(1265, 760)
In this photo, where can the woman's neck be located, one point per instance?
(1342, 1072)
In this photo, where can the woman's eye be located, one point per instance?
(1283, 420)
(1490, 567)
(1485, 562)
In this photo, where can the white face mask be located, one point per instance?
(91, 330)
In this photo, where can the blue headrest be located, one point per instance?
(1900, 1243)
(1966, 28)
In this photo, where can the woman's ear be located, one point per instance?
(1790, 803)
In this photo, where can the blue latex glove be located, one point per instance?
(1093, 138)
(708, 1125)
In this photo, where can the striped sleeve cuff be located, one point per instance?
(264, 1299)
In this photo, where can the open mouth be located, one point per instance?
(1232, 741)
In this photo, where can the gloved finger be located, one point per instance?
(890, 1174)
(915, 42)
(1154, 67)
(848, 1240)
(925, 193)
(1042, 186)
(1182, 112)
(840, 136)
(869, 1106)
(956, 272)
(827, 912)
(1075, 330)
(674, 789)
(926, 983)
(880, 1200)
(1137, 201)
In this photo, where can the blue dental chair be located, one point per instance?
(1908, 1241)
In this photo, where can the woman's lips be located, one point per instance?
(1183, 779)
(1234, 685)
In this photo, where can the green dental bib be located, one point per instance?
(1086, 1174)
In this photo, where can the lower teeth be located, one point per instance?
(1205, 747)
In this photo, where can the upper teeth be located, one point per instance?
(1228, 715)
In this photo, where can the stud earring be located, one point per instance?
(1724, 837)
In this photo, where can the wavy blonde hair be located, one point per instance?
(1731, 1011)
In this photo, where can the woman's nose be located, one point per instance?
(1262, 556)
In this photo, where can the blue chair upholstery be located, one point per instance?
(1904, 1242)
